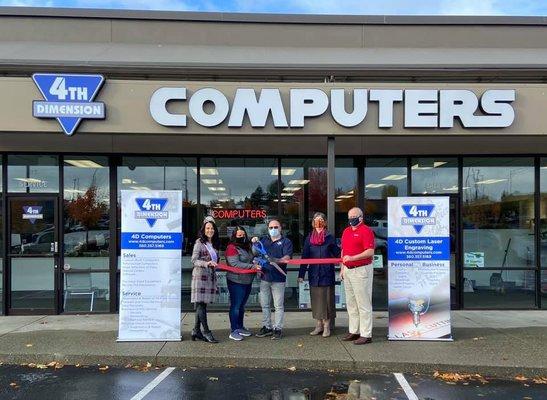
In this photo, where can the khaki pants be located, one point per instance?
(358, 285)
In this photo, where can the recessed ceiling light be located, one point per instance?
(394, 177)
(84, 163)
(284, 171)
(206, 171)
(490, 181)
(299, 182)
(375, 185)
(292, 189)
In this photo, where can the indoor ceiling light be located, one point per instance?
(287, 194)
(375, 185)
(212, 181)
(490, 181)
(337, 200)
(217, 188)
(127, 181)
(140, 187)
(284, 171)
(394, 177)
(206, 171)
(292, 188)
(299, 182)
(345, 196)
(84, 164)
(29, 180)
(453, 188)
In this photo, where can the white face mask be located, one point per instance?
(274, 232)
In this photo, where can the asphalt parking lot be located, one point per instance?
(140, 382)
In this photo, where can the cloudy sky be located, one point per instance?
(382, 7)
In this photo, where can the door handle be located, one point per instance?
(56, 247)
(55, 266)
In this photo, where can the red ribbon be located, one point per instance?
(300, 261)
(226, 267)
(296, 261)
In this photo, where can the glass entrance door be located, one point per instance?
(33, 248)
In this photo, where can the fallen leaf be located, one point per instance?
(521, 378)
(292, 369)
(31, 365)
(540, 380)
(230, 366)
(213, 378)
(104, 369)
(13, 384)
(41, 366)
(77, 365)
(29, 345)
(128, 366)
(300, 344)
(148, 365)
(52, 364)
(59, 366)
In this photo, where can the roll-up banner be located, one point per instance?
(150, 281)
(419, 268)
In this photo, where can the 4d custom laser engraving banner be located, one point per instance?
(150, 284)
(419, 268)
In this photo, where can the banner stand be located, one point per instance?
(150, 276)
(419, 268)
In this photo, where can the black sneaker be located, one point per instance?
(264, 332)
(277, 334)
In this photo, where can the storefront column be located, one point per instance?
(331, 165)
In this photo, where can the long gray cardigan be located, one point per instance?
(204, 279)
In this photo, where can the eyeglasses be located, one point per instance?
(273, 227)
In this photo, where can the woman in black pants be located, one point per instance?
(204, 280)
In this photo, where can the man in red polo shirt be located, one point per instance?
(356, 271)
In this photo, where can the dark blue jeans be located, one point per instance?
(239, 294)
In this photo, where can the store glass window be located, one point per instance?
(86, 203)
(543, 211)
(434, 175)
(1, 240)
(33, 174)
(384, 177)
(498, 232)
(346, 192)
(239, 191)
(303, 192)
(166, 173)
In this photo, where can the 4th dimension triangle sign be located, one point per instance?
(68, 98)
(418, 215)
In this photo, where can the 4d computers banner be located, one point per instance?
(419, 268)
(150, 286)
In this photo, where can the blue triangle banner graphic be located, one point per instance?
(151, 207)
(417, 213)
(68, 98)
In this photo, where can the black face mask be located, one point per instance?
(354, 221)
(241, 240)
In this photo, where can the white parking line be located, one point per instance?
(406, 387)
(157, 380)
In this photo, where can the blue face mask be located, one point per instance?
(274, 232)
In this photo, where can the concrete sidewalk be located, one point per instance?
(492, 343)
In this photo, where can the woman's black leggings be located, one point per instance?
(201, 317)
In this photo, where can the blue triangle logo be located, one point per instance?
(32, 213)
(417, 212)
(68, 98)
(150, 206)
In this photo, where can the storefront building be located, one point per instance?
(255, 117)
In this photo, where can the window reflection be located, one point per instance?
(166, 173)
(346, 193)
(384, 177)
(33, 174)
(543, 212)
(434, 175)
(86, 200)
(500, 289)
(239, 191)
(303, 192)
(498, 212)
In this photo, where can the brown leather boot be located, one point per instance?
(350, 337)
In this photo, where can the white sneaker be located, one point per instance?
(236, 336)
